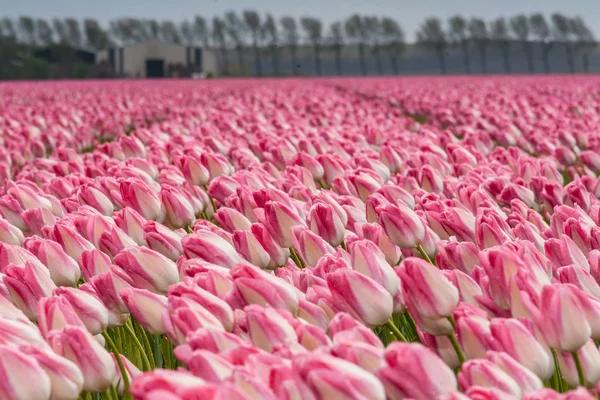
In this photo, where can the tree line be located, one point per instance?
(234, 34)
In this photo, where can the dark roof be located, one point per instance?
(57, 53)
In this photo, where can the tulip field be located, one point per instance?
(300, 239)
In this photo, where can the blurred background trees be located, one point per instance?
(250, 43)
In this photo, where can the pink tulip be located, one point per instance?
(231, 220)
(326, 222)
(12, 211)
(72, 242)
(310, 246)
(370, 261)
(485, 373)
(66, 380)
(161, 239)
(27, 284)
(278, 255)
(331, 377)
(108, 285)
(64, 271)
(458, 222)
(474, 336)
(404, 375)
(268, 330)
(148, 269)
(559, 306)
(281, 222)
(90, 309)
(209, 366)
(146, 307)
(427, 291)
(360, 296)
(211, 248)
(93, 197)
(216, 164)
(17, 368)
(178, 210)
(219, 308)
(579, 277)
(78, 346)
(563, 252)
(132, 223)
(590, 363)
(93, 263)
(36, 218)
(527, 380)
(194, 172)
(139, 196)
(56, 313)
(10, 234)
(402, 225)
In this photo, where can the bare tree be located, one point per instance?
(561, 31)
(8, 28)
(500, 38)
(584, 39)
(290, 38)
(201, 30)
(219, 37)
(74, 31)
(236, 30)
(60, 28)
(253, 23)
(375, 34)
(169, 32)
(540, 28)
(27, 30)
(458, 35)
(186, 30)
(96, 37)
(314, 32)
(270, 33)
(336, 38)
(431, 35)
(479, 34)
(394, 40)
(44, 32)
(356, 31)
(152, 26)
(520, 27)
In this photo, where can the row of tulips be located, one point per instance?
(300, 240)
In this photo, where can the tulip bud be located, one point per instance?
(360, 296)
(64, 271)
(56, 313)
(183, 316)
(370, 261)
(194, 172)
(148, 269)
(139, 196)
(132, 223)
(216, 164)
(211, 248)
(474, 336)
(281, 222)
(310, 246)
(161, 239)
(231, 219)
(209, 366)
(250, 248)
(78, 346)
(66, 380)
(18, 368)
(179, 213)
(93, 263)
(402, 225)
(278, 255)
(589, 357)
(485, 373)
(331, 376)
(426, 289)
(37, 218)
(268, 329)
(72, 242)
(402, 377)
(10, 234)
(147, 308)
(88, 195)
(325, 222)
(27, 284)
(90, 309)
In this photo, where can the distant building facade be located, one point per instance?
(156, 59)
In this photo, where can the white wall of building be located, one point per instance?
(131, 60)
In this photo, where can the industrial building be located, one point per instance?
(157, 59)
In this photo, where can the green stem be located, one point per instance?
(424, 255)
(579, 369)
(412, 324)
(343, 244)
(459, 353)
(146, 342)
(392, 327)
(136, 341)
(557, 374)
(212, 201)
(115, 351)
(296, 258)
(188, 229)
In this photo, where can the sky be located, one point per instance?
(408, 12)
